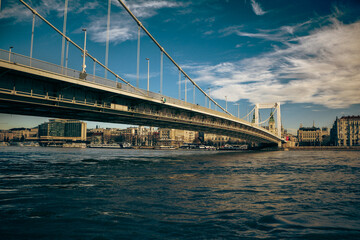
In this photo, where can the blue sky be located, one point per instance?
(305, 54)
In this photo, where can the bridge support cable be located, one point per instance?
(78, 47)
(64, 32)
(179, 85)
(193, 94)
(107, 37)
(161, 70)
(259, 119)
(84, 53)
(67, 55)
(32, 38)
(169, 57)
(226, 103)
(185, 89)
(238, 108)
(148, 75)
(278, 119)
(256, 114)
(94, 70)
(138, 59)
(209, 99)
(249, 113)
(272, 114)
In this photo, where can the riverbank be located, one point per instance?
(323, 148)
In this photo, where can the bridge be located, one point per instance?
(29, 86)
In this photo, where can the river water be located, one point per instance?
(54, 193)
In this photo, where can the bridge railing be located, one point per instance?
(53, 68)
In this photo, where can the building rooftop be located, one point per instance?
(309, 128)
(351, 117)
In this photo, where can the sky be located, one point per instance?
(304, 54)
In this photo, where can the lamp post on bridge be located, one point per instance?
(84, 53)
(32, 38)
(83, 72)
(226, 103)
(107, 38)
(238, 109)
(64, 32)
(10, 53)
(148, 75)
(138, 59)
(185, 89)
(209, 90)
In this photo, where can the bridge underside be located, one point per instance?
(37, 93)
(21, 106)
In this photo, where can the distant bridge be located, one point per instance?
(33, 87)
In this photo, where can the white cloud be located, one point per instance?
(145, 9)
(87, 6)
(121, 29)
(17, 11)
(321, 68)
(281, 34)
(257, 8)
(210, 32)
(122, 26)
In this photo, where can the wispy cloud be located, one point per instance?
(122, 27)
(281, 34)
(87, 6)
(322, 67)
(257, 8)
(284, 34)
(17, 11)
(145, 9)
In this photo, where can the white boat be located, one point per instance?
(166, 147)
(99, 145)
(74, 145)
(210, 148)
(234, 147)
(126, 145)
(31, 144)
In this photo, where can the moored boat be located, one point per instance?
(99, 145)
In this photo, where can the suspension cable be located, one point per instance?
(249, 113)
(169, 57)
(272, 114)
(77, 46)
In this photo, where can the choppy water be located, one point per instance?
(50, 193)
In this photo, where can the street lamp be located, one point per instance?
(238, 109)
(84, 53)
(209, 90)
(226, 103)
(83, 74)
(148, 76)
(185, 89)
(10, 52)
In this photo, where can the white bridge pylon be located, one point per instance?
(267, 106)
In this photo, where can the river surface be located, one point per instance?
(54, 193)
